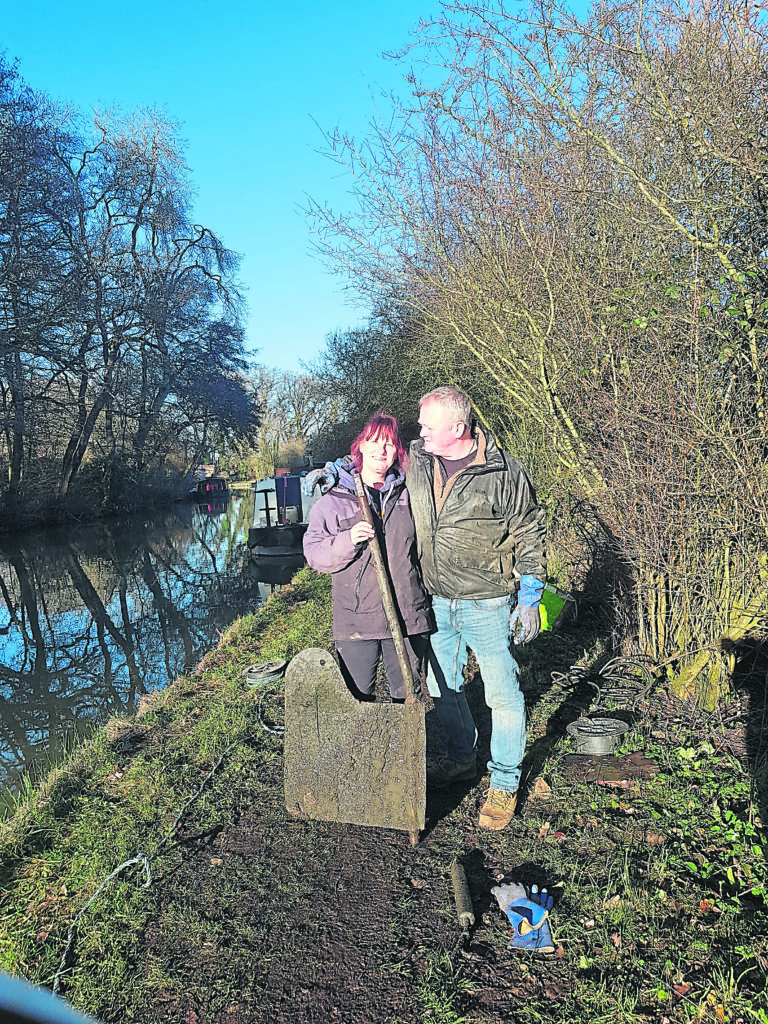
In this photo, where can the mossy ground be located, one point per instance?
(250, 915)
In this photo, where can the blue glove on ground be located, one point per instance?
(528, 910)
(525, 621)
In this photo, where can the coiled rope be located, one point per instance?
(616, 680)
(276, 730)
(143, 859)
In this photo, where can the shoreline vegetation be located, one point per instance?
(660, 911)
(90, 511)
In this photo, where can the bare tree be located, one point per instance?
(295, 407)
(577, 206)
(120, 317)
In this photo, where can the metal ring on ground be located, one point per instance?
(264, 672)
(596, 735)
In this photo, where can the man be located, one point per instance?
(479, 529)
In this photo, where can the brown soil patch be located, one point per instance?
(353, 948)
(315, 922)
(273, 919)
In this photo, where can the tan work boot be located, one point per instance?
(497, 811)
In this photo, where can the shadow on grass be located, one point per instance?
(751, 680)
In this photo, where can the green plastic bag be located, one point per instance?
(556, 606)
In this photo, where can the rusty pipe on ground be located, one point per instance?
(464, 912)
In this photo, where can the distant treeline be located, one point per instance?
(121, 346)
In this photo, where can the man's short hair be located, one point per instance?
(453, 401)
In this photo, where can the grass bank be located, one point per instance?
(249, 915)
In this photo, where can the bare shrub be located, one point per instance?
(580, 208)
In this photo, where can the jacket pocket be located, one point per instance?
(481, 561)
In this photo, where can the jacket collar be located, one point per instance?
(395, 476)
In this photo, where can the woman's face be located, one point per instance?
(378, 455)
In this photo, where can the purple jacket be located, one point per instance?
(358, 611)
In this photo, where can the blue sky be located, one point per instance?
(250, 82)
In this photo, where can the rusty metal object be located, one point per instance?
(345, 760)
(464, 911)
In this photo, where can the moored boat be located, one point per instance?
(210, 489)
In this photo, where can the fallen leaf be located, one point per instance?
(681, 989)
(558, 835)
(544, 830)
(616, 939)
(216, 861)
(541, 789)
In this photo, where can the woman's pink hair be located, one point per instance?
(380, 425)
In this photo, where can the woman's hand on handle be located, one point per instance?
(361, 532)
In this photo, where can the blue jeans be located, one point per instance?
(482, 626)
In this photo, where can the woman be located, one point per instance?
(336, 541)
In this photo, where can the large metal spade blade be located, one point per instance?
(350, 761)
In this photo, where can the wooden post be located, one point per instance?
(387, 598)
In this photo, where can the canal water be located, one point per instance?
(93, 616)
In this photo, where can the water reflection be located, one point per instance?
(93, 616)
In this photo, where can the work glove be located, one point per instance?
(525, 624)
(528, 910)
(325, 478)
(525, 621)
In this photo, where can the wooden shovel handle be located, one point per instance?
(386, 593)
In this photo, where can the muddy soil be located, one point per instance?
(354, 947)
(318, 922)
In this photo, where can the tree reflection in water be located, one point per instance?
(93, 616)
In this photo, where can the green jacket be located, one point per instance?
(481, 531)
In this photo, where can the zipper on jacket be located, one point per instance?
(429, 467)
(358, 581)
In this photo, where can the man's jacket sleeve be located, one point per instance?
(526, 524)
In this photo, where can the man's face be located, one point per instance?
(439, 430)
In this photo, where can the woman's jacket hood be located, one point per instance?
(358, 611)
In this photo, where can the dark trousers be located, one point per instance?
(359, 659)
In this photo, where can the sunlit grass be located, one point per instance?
(660, 891)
